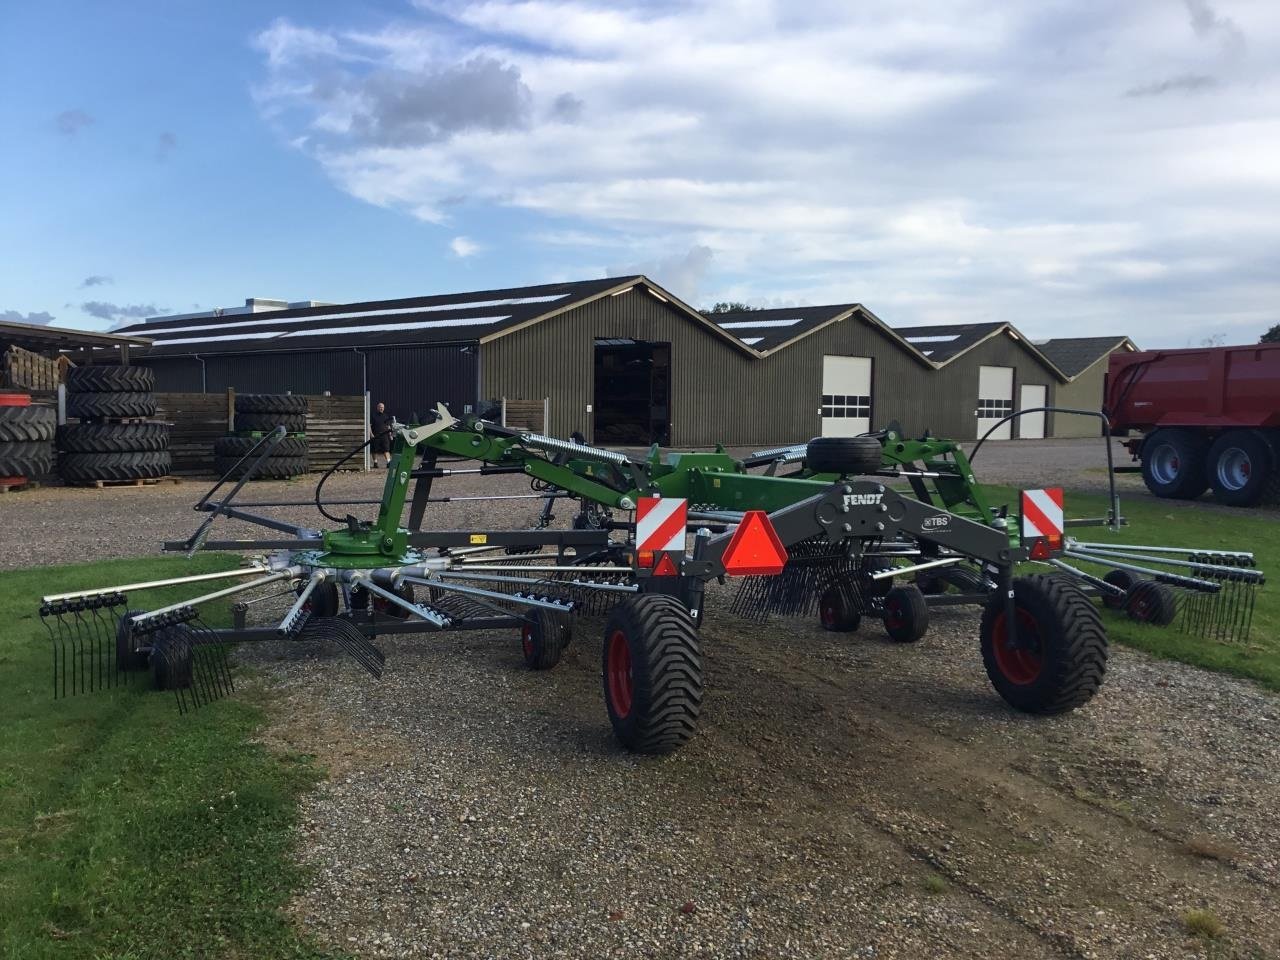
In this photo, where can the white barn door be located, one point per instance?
(846, 396)
(995, 400)
(1030, 395)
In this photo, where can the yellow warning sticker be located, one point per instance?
(715, 481)
(479, 538)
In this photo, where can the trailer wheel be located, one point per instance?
(838, 609)
(962, 579)
(1122, 579)
(171, 658)
(129, 659)
(360, 601)
(1173, 464)
(652, 673)
(1149, 601)
(906, 615)
(323, 601)
(1061, 654)
(1242, 468)
(542, 639)
(843, 455)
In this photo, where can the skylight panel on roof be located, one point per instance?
(751, 341)
(937, 339)
(209, 339)
(383, 327)
(759, 324)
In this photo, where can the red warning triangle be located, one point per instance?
(754, 549)
(665, 567)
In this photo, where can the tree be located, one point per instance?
(732, 306)
(1272, 335)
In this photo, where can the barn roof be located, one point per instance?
(769, 331)
(1074, 355)
(942, 343)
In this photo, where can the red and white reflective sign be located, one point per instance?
(1042, 513)
(660, 523)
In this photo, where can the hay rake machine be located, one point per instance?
(839, 536)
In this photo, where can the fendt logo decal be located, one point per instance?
(862, 499)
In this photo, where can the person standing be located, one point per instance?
(380, 429)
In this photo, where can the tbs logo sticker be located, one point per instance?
(862, 499)
(935, 523)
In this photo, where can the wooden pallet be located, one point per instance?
(140, 482)
(17, 484)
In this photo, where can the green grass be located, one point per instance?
(1180, 524)
(127, 830)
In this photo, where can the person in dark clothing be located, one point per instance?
(380, 429)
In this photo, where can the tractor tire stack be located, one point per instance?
(258, 414)
(114, 441)
(26, 439)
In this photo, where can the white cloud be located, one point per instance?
(464, 247)
(1089, 168)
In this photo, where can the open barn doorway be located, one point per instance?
(632, 403)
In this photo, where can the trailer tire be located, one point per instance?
(542, 639)
(962, 579)
(27, 424)
(270, 403)
(112, 379)
(838, 610)
(171, 657)
(1149, 601)
(98, 406)
(113, 437)
(1122, 579)
(238, 446)
(843, 455)
(1066, 658)
(1242, 468)
(652, 673)
(138, 465)
(129, 659)
(266, 422)
(324, 601)
(906, 614)
(1173, 464)
(31, 459)
(360, 602)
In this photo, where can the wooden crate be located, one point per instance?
(25, 370)
(525, 415)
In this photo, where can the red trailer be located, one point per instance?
(1209, 418)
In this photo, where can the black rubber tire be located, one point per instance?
(113, 437)
(96, 406)
(1122, 579)
(238, 446)
(906, 614)
(843, 455)
(960, 579)
(651, 670)
(876, 588)
(266, 422)
(270, 403)
(1068, 646)
(837, 610)
(360, 602)
(33, 459)
(171, 657)
(27, 424)
(324, 599)
(1188, 449)
(110, 380)
(1149, 601)
(541, 639)
(129, 659)
(272, 468)
(1263, 478)
(78, 467)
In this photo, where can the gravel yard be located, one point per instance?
(846, 797)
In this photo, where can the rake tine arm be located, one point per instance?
(292, 573)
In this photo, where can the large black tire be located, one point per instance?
(128, 657)
(1173, 464)
(1062, 653)
(838, 608)
(843, 455)
(26, 459)
(113, 437)
(1122, 579)
(171, 657)
(1149, 601)
(272, 468)
(27, 424)
(110, 380)
(1242, 469)
(95, 406)
(239, 446)
(652, 673)
(542, 639)
(906, 614)
(79, 467)
(270, 403)
(266, 422)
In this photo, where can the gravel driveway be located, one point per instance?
(846, 797)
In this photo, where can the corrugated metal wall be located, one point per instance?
(337, 371)
(954, 388)
(177, 375)
(413, 379)
(1083, 393)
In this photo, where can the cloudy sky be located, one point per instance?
(1076, 168)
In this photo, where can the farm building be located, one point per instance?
(621, 359)
(1084, 360)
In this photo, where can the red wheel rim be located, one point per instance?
(1021, 665)
(526, 641)
(618, 674)
(894, 618)
(828, 614)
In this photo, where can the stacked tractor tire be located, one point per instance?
(26, 438)
(258, 414)
(108, 436)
